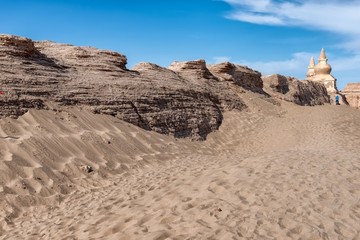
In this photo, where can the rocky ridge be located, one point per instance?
(306, 93)
(352, 94)
(240, 75)
(185, 100)
(149, 96)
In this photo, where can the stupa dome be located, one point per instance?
(322, 67)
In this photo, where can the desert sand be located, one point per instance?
(274, 171)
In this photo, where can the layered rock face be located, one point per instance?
(23, 69)
(352, 94)
(186, 104)
(192, 70)
(306, 93)
(186, 101)
(240, 75)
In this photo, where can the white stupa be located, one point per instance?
(321, 73)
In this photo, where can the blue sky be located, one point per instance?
(272, 36)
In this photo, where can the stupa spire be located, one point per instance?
(312, 63)
(322, 56)
(311, 69)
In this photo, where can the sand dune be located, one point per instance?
(276, 171)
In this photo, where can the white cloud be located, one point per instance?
(340, 17)
(337, 16)
(221, 59)
(257, 18)
(346, 64)
(259, 5)
(297, 65)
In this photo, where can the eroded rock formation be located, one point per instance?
(352, 94)
(240, 75)
(306, 93)
(185, 100)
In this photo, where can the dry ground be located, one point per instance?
(273, 172)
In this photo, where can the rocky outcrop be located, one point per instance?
(17, 46)
(83, 58)
(278, 83)
(352, 94)
(192, 70)
(240, 75)
(185, 100)
(306, 93)
(184, 107)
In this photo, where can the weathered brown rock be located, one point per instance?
(185, 100)
(185, 103)
(352, 94)
(290, 89)
(278, 83)
(192, 70)
(224, 71)
(19, 46)
(191, 100)
(241, 75)
(83, 58)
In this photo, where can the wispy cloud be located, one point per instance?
(296, 66)
(346, 64)
(257, 18)
(337, 16)
(221, 59)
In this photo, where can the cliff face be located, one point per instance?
(240, 75)
(352, 94)
(305, 93)
(185, 102)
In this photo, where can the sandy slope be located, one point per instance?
(273, 172)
